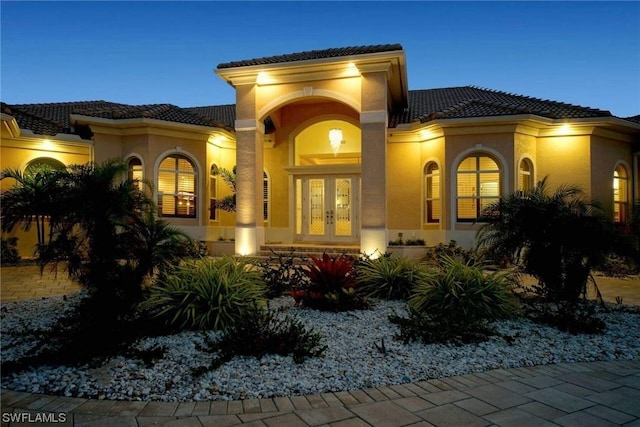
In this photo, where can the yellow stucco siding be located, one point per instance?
(565, 160)
(404, 186)
(524, 148)
(274, 161)
(606, 154)
(271, 97)
(374, 91)
(17, 153)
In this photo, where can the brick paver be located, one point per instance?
(574, 397)
(568, 394)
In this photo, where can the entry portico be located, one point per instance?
(339, 198)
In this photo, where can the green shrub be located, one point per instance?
(389, 277)
(282, 273)
(9, 251)
(431, 329)
(408, 242)
(262, 332)
(206, 293)
(617, 266)
(332, 285)
(574, 318)
(451, 250)
(456, 302)
(466, 292)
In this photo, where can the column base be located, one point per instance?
(373, 241)
(249, 239)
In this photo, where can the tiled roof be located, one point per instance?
(37, 124)
(424, 106)
(471, 101)
(635, 119)
(165, 112)
(54, 118)
(313, 54)
(218, 113)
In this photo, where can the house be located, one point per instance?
(331, 147)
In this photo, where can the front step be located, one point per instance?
(306, 250)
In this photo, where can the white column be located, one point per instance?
(249, 197)
(373, 124)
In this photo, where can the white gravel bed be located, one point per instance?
(351, 360)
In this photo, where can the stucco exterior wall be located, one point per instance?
(565, 160)
(606, 154)
(525, 147)
(271, 97)
(17, 153)
(404, 186)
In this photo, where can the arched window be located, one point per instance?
(44, 162)
(478, 185)
(525, 176)
(177, 180)
(620, 195)
(265, 192)
(136, 173)
(213, 192)
(432, 193)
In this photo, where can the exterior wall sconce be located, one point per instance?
(335, 139)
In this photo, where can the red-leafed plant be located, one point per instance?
(332, 282)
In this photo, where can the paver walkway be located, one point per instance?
(22, 282)
(577, 394)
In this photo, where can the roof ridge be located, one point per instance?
(533, 98)
(43, 104)
(333, 52)
(210, 106)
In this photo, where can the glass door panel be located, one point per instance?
(316, 207)
(343, 207)
(326, 209)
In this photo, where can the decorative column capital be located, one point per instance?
(249, 125)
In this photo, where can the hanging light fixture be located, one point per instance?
(335, 139)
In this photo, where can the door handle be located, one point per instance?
(329, 218)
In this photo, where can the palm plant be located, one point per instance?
(34, 198)
(153, 244)
(100, 206)
(557, 238)
(227, 203)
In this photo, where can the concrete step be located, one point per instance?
(307, 250)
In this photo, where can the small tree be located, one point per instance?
(557, 238)
(153, 244)
(228, 203)
(33, 199)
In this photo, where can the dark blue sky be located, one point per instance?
(585, 53)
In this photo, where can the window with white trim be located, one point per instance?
(478, 185)
(525, 176)
(213, 192)
(620, 195)
(135, 171)
(432, 193)
(177, 178)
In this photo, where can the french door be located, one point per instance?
(327, 208)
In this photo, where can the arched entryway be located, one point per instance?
(326, 175)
